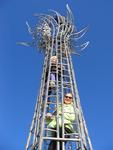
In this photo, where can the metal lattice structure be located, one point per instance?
(56, 35)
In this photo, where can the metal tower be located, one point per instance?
(56, 35)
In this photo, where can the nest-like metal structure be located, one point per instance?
(51, 29)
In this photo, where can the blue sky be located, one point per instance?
(21, 69)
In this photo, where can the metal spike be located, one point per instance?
(29, 28)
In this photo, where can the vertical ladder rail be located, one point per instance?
(46, 97)
(79, 105)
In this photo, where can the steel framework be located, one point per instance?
(56, 35)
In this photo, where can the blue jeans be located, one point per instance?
(52, 77)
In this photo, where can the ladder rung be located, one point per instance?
(61, 139)
(66, 70)
(52, 96)
(76, 134)
(53, 65)
(64, 64)
(67, 87)
(51, 103)
(67, 83)
(64, 58)
(47, 129)
(64, 83)
(66, 76)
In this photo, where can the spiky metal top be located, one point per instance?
(54, 28)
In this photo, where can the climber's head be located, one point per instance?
(68, 98)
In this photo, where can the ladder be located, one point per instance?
(51, 97)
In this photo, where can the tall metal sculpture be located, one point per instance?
(56, 35)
